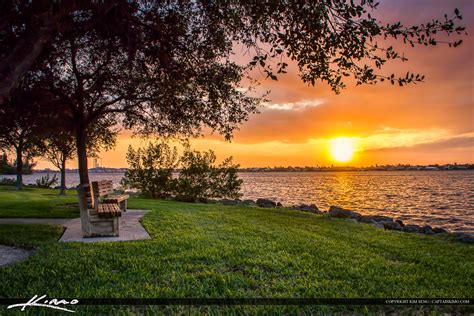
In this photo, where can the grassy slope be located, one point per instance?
(32, 202)
(29, 236)
(224, 251)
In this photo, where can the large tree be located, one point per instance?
(59, 148)
(60, 145)
(177, 79)
(21, 129)
(169, 70)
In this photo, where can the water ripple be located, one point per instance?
(437, 198)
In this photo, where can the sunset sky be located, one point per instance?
(431, 122)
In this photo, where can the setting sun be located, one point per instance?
(342, 149)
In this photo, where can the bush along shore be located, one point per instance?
(380, 221)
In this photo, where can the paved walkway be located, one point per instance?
(18, 220)
(10, 255)
(130, 229)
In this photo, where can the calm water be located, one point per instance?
(437, 198)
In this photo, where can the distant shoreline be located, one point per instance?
(455, 167)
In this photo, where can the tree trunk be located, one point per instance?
(84, 180)
(62, 190)
(82, 155)
(19, 168)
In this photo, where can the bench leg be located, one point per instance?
(104, 227)
(116, 226)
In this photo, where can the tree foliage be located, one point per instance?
(9, 166)
(21, 129)
(27, 29)
(198, 177)
(60, 146)
(151, 169)
(201, 179)
(317, 34)
(332, 40)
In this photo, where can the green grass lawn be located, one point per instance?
(33, 202)
(29, 236)
(201, 250)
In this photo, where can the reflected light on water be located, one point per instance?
(436, 198)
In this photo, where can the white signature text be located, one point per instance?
(41, 301)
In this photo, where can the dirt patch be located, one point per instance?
(11, 255)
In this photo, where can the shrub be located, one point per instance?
(46, 181)
(151, 172)
(226, 183)
(151, 169)
(7, 181)
(194, 181)
(199, 178)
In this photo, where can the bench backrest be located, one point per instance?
(102, 188)
(88, 196)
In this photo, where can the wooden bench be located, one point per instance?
(104, 190)
(98, 219)
(108, 210)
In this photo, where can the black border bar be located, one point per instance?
(256, 301)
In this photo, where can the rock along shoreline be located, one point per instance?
(379, 221)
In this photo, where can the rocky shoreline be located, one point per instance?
(379, 221)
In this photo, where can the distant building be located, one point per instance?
(95, 163)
